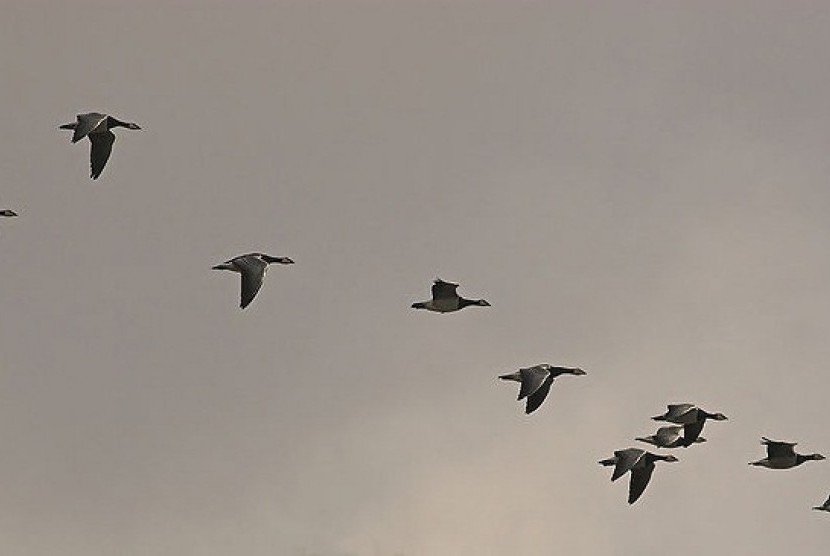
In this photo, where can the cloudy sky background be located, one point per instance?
(638, 188)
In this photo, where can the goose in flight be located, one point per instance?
(536, 382)
(252, 268)
(97, 128)
(692, 417)
(641, 465)
(669, 437)
(824, 507)
(781, 455)
(445, 299)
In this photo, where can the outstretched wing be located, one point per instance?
(536, 398)
(532, 379)
(676, 411)
(86, 123)
(626, 459)
(777, 449)
(443, 290)
(253, 273)
(639, 481)
(100, 151)
(667, 436)
(692, 430)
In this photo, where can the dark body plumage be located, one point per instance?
(536, 382)
(97, 128)
(641, 465)
(251, 267)
(782, 455)
(670, 437)
(691, 417)
(445, 299)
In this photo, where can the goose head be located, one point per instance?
(814, 457)
(115, 122)
(669, 458)
(716, 416)
(7, 212)
(481, 302)
(280, 260)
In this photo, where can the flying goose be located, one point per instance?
(669, 437)
(252, 268)
(446, 300)
(692, 417)
(97, 127)
(824, 507)
(7, 212)
(781, 455)
(536, 381)
(641, 465)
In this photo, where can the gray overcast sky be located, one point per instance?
(638, 188)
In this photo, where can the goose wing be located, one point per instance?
(639, 481)
(443, 290)
(677, 411)
(692, 430)
(533, 378)
(100, 151)
(535, 399)
(86, 123)
(667, 436)
(626, 460)
(252, 271)
(777, 449)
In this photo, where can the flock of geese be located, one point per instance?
(687, 420)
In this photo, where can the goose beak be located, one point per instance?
(579, 372)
